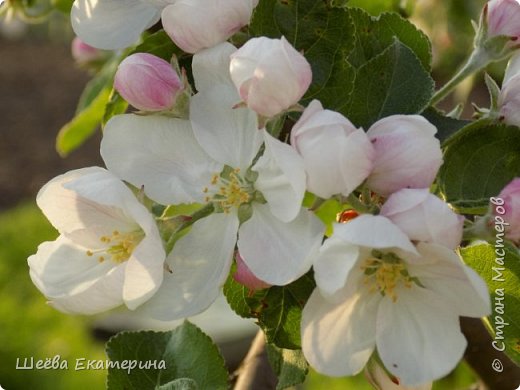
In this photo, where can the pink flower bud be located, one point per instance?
(245, 277)
(337, 156)
(507, 206)
(424, 217)
(198, 24)
(84, 53)
(270, 75)
(407, 155)
(147, 82)
(503, 18)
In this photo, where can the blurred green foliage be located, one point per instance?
(28, 326)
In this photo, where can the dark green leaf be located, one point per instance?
(158, 44)
(186, 351)
(479, 161)
(277, 309)
(502, 275)
(446, 126)
(374, 35)
(394, 82)
(290, 366)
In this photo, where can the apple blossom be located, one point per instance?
(114, 24)
(507, 206)
(270, 75)
(337, 156)
(209, 160)
(109, 251)
(147, 82)
(407, 155)
(424, 217)
(503, 17)
(376, 289)
(198, 24)
(509, 97)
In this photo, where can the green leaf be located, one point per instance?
(158, 44)
(102, 80)
(63, 5)
(82, 126)
(374, 35)
(186, 351)
(394, 82)
(180, 384)
(290, 366)
(238, 295)
(445, 125)
(116, 105)
(502, 275)
(479, 161)
(324, 34)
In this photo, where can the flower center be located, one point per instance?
(385, 272)
(228, 190)
(119, 246)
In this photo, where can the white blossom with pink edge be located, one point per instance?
(407, 154)
(338, 157)
(424, 217)
(147, 82)
(199, 24)
(109, 251)
(375, 289)
(270, 75)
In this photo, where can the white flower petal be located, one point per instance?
(67, 211)
(418, 337)
(333, 264)
(374, 231)
(281, 178)
(160, 154)
(73, 281)
(211, 66)
(112, 24)
(277, 252)
(446, 275)
(424, 217)
(199, 264)
(144, 271)
(227, 134)
(513, 68)
(339, 338)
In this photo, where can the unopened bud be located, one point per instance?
(147, 82)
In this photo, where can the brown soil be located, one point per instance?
(39, 89)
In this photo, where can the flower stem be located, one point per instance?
(477, 61)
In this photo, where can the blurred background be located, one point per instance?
(39, 88)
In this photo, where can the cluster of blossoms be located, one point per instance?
(390, 284)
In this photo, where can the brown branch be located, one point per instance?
(255, 372)
(480, 355)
